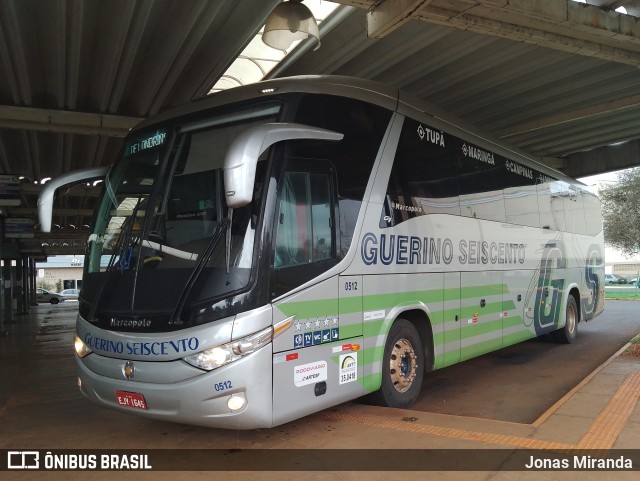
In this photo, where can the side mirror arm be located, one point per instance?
(45, 199)
(244, 151)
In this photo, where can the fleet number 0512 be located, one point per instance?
(351, 286)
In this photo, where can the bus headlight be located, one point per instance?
(215, 357)
(82, 349)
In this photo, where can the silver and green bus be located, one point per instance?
(279, 248)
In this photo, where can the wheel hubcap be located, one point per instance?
(403, 365)
(571, 319)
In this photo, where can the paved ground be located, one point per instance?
(492, 386)
(40, 408)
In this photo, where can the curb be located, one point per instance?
(560, 402)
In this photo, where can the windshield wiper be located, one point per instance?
(124, 240)
(118, 250)
(203, 259)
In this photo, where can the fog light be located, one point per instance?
(236, 402)
(79, 383)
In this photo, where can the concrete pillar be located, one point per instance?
(2, 317)
(7, 290)
(18, 292)
(26, 284)
(33, 274)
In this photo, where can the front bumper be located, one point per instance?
(199, 398)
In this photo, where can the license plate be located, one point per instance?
(131, 400)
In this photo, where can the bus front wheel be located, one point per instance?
(402, 366)
(568, 333)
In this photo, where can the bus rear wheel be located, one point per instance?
(568, 333)
(402, 366)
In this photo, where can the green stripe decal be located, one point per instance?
(372, 382)
(474, 311)
(479, 291)
(512, 321)
(382, 301)
(350, 305)
(517, 337)
(350, 330)
(484, 335)
(471, 330)
(479, 349)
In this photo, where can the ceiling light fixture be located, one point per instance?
(288, 22)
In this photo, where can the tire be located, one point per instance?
(54, 301)
(402, 367)
(568, 333)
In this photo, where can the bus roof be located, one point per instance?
(377, 93)
(366, 90)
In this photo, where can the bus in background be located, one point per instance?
(279, 248)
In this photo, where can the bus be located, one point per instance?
(275, 249)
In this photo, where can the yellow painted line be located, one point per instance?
(558, 404)
(604, 431)
(452, 433)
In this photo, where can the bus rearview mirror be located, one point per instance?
(245, 150)
(45, 199)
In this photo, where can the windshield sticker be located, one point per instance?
(125, 260)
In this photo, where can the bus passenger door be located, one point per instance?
(350, 347)
(350, 307)
(317, 361)
(317, 358)
(452, 321)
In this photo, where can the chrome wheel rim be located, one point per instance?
(571, 319)
(402, 365)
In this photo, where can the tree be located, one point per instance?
(621, 212)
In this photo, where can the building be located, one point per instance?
(60, 272)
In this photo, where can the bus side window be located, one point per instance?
(521, 195)
(593, 216)
(481, 183)
(551, 195)
(574, 210)
(305, 234)
(423, 176)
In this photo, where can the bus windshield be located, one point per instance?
(163, 218)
